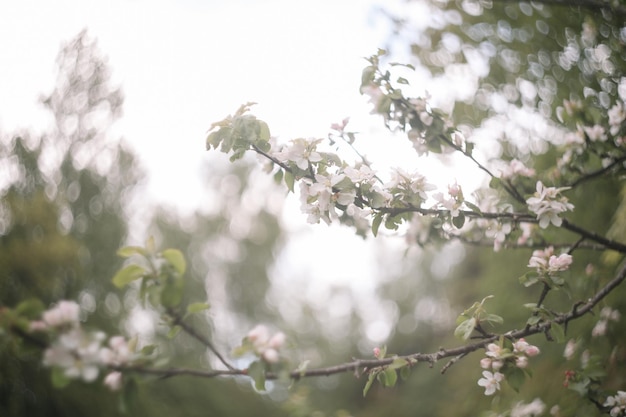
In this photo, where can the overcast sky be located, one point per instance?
(185, 64)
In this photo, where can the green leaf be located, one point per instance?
(391, 377)
(31, 308)
(398, 363)
(515, 377)
(472, 207)
(58, 378)
(173, 332)
(278, 177)
(533, 320)
(176, 259)
(148, 349)
(367, 77)
(382, 378)
(128, 274)
(495, 183)
(494, 318)
(128, 251)
(289, 180)
(264, 132)
(263, 145)
(529, 278)
(197, 307)
(256, 370)
(459, 221)
(405, 373)
(378, 219)
(370, 381)
(465, 329)
(129, 396)
(402, 80)
(172, 293)
(557, 332)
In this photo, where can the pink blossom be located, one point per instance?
(113, 381)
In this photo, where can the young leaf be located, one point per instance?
(472, 207)
(459, 221)
(391, 377)
(515, 377)
(494, 319)
(173, 332)
(557, 331)
(264, 132)
(58, 378)
(172, 293)
(128, 274)
(465, 329)
(176, 259)
(289, 180)
(370, 381)
(197, 307)
(529, 278)
(405, 373)
(128, 251)
(148, 349)
(256, 370)
(378, 219)
(31, 308)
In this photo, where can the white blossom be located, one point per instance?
(113, 380)
(301, 152)
(547, 204)
(64, 313)
(264, 345)
(617, 114)
(532, 409)
(595, 133)
(546, 262)
(617, 403)
(491, 382)
(516, 168)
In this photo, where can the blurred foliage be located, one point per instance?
(62, 218)
(63, 215)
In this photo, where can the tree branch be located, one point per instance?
(178, 320)
(359, 365)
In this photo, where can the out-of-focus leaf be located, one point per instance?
(128, 274)
(58, 378)
(197, 307)
(176, 259)
(465, 329)
(128, 251)
(256, 370)
(370, 380)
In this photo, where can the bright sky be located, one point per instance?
(184, 64)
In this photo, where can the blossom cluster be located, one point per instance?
(547, 204)
(547, 263)
(499, 358)
(617, 404)
(265, 346)
(516, 168)
(78, 353)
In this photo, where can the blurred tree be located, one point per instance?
(63, 218)
(64, 214)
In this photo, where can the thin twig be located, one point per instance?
(178, 320)
(578, 310)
